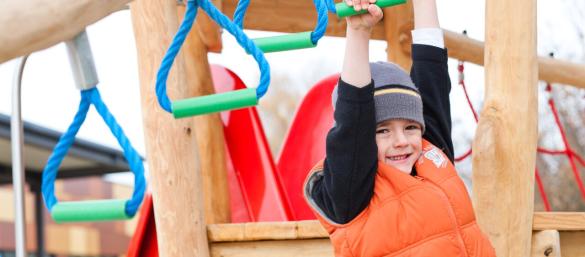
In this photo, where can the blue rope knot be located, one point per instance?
(89, 97)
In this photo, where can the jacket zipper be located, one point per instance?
(451, 213)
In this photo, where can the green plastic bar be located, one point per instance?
(343, 10)
(96, 210)
(215, 103)
(285, 42)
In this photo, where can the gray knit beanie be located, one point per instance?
(395, 95)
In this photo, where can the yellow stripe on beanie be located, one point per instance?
(396, 91)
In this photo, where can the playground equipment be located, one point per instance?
(97, 210)
(171, 144)
(243, 97)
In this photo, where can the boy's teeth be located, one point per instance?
(397, 158)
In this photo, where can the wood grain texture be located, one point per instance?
(209, 31)
(208, 129)
(505, 142)
(280, 248)
(396, 20)
(546, 243)
(279, 16)
(32, 25)
(171, 145)
(470, 50)
(289, 16)
(238, 232)
(562, 221)
(573, 243)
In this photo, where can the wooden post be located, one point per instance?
(546, 244)
(171, 145)
(208, 128)
(398, 19)
(505, 143)
(32, 25)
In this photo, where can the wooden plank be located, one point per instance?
(265, 231)
(280, 248)
(209, 31)
(171, 145)
(209, 131)
(289, 17)
(562, 221)
(396, 20)
(32, 25)
(549, 69)
(573, 243)
(546, 244)
(505, 141)
(295, 16)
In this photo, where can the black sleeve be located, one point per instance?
(347, 184)
(430, 74)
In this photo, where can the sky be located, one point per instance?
(51, 100)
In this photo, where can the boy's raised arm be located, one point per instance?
(430, 74)
(346, 183)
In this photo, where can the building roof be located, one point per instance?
(83, 159)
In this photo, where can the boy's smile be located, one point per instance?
(399, 143)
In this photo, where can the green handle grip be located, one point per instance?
(215, 103)
(343, 10)
(95, 210)
(285, 42)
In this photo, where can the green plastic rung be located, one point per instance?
(285, 42)
(343, 10)
(95, 210)
(215, 103)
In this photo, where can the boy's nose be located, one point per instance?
(400, 140)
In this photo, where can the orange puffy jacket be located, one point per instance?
(426, 215)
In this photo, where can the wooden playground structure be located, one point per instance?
(503, 184)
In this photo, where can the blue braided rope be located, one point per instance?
(179, 39)
(59, 152)
(240, 12)
(322, 20)
(244, 41)
(169, 58)
(331, 6)
(88, 97)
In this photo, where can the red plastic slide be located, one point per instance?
(305, 144)
(258, 190)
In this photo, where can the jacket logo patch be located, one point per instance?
(436, 157)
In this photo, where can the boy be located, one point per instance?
(387, 186)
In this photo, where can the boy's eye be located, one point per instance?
(382, 131)
(412, 127)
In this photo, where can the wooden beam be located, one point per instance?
(208, 129)
(572, 243)
(295, 16)
(505, 142)
(280, 248)
(32, 25)
(239, 232)
(171, 145)
(546, 244)
(396, 20)
(470, 50)
(308, 238)
(209, 31)
(562, 221)
(289, 17)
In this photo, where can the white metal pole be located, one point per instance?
(18, 179)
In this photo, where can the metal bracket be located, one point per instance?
(81, 60)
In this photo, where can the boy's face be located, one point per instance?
(399, 143)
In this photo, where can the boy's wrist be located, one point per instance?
(359, 32)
